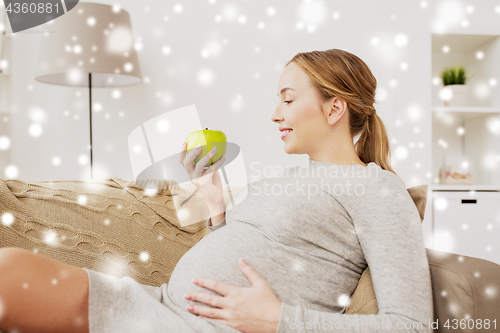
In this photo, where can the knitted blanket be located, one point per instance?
(114, 226)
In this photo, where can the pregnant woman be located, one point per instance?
(306, 235)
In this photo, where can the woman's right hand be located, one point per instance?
(207, 180)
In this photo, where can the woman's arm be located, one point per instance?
(388, 227)
(217, 217)
(212, 228)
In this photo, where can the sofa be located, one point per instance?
(124, 228)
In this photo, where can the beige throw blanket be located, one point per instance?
(113, 226)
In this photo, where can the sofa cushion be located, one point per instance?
(363, 299)
(465, 291)
(419, 196)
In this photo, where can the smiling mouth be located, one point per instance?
(286, 133)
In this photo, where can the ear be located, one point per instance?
(334, 109)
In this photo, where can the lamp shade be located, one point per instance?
(91, 38)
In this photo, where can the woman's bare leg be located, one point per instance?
(40, 294)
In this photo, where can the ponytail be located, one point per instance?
(373, 144)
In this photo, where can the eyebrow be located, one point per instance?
(283, 90)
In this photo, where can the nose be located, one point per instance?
(275, 116)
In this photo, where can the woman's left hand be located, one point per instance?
(250, 310)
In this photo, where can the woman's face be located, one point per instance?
(299, 108)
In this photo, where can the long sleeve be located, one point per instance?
(211, 227)
(389, 230)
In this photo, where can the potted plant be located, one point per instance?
(455, 92)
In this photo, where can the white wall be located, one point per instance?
(174, 79)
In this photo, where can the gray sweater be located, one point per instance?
(310, 232)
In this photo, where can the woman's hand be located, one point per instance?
(250, 310)
(206, 180)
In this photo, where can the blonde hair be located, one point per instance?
(338, 73)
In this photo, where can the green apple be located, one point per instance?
(207, 139)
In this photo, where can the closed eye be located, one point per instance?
(287, 102)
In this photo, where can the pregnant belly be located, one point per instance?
(284, 268)
(216, 257)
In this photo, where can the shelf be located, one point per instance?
(472, 109)
(460, 42)
(467, 111)
(458, 187)
(466, 130)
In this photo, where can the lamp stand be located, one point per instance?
(90, 113)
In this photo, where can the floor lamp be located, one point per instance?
(90, 46)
